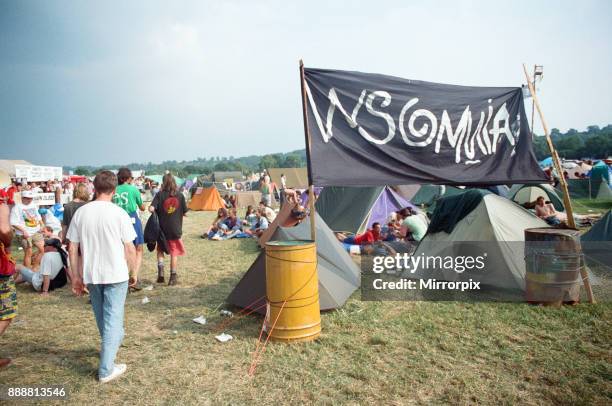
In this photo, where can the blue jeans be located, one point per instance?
(34, 278)
(108, 303)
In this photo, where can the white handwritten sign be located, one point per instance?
(35, 173)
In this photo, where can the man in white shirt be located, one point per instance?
(104, 233)
(26, 222)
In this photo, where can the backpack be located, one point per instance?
(61, 279)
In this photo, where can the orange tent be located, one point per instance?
(206, 199)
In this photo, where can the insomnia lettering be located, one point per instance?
(420, 127)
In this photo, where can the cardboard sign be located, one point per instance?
(34, 173)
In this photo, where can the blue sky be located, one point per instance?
(137, 81)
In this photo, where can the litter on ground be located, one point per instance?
(200, 320)
(223, 338)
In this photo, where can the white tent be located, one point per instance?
(495, 226)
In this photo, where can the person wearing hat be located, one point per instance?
(27, 223)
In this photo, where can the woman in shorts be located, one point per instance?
(170, 206)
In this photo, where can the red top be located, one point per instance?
(367, 238)
(10, 192)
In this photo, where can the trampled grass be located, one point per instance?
(370, 352)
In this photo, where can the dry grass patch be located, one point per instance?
(370, 352)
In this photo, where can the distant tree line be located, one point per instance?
(594, 143)
(205, 166)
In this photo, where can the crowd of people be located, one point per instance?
(406, 225)
(94, 242)
(228, 225)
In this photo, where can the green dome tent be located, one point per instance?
(158, 179)
(525, 195)
(601, 171)
(470, 222)
(428, 194)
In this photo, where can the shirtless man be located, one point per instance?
(547, 212)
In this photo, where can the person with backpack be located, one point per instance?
(170, 206)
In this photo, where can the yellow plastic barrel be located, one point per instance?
(292, 288)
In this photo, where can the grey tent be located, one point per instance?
(487, 223)
(339, 276)
(429, 194)
(527, 194)
(354, 209)
(597, 242)
(407, 191)
(590, 188)
(222, 176)
(604, 192)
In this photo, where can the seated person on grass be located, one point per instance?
(262, 224)
(369, 237)
(546, 211)
(250, 218)
(391, 229)
(214, 227)
(268, 211)
(228, 228)
(413, 227)
(53, 269)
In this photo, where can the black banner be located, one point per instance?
(370, 129)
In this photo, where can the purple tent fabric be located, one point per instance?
(188, 184)
(388, 202)
(304, 196)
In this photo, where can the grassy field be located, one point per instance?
(370, 352)
(591, 206)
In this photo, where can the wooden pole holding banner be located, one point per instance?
(557, 164)
(311, 196)
(532, 102)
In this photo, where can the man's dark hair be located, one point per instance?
(374, 225)
(105, 182)
(405, 212)
(123, 175)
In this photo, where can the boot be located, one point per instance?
(173, 279)
(160, 273)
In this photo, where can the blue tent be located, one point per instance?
(601, 171)
(546, 162)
